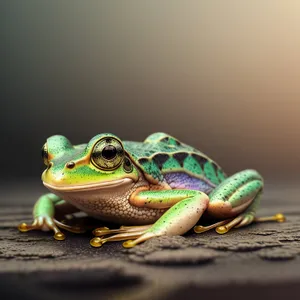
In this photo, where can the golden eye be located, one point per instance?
(45, 155)
(108, 154)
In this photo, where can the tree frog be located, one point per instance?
(153, 188)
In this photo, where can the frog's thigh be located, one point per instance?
(235, 195)
(178, 219)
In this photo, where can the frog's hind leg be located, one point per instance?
(186, 207)
(243, 219)
(248, 217)
(236, 200)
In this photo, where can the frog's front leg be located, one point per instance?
(43, 214)
(185, 209)
(235, 201)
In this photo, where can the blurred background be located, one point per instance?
(220, 75)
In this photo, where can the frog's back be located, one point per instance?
(163, 158)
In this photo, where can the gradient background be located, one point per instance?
(220, 75)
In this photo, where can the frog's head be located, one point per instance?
(101, 164)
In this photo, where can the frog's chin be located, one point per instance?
(90, 186)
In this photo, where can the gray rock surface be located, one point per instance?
(261, 260)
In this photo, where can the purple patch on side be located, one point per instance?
(185, 181)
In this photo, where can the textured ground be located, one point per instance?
(262, 260)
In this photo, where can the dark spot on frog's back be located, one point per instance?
(170, 141)
(200, 159)
(160, 159)
(216, 168)
(143, 161)
(180, 157)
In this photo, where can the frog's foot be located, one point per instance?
(102, 231)
(224, 226)
(246, 219)
(123, 233)
(242, 220)
(136, 237)
(200, 228)
(278, 218)
(46, 223)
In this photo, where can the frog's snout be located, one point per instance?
(49, 178)
(52, 176)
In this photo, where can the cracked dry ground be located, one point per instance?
(260, 260)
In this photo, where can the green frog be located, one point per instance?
(153, 188)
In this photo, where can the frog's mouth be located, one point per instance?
(90, 186)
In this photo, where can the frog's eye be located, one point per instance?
(45, 155)
(108, 154)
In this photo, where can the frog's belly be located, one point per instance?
(112, 206)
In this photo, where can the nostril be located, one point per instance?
(70, 165)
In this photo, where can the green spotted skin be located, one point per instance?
(161, 154)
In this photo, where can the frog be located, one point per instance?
(158, 187)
